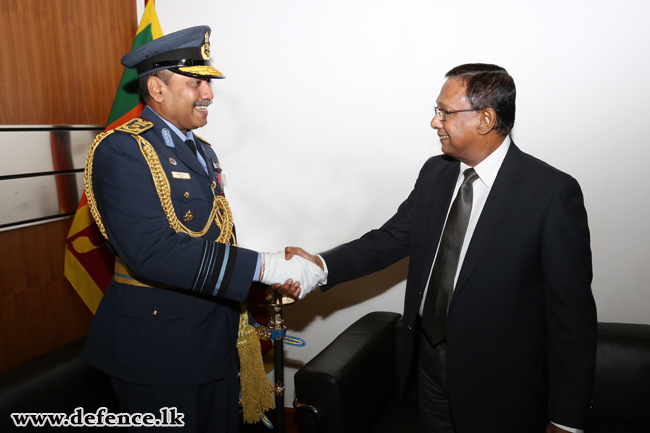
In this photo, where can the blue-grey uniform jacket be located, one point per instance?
(183, 330)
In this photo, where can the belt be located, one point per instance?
(124, 275)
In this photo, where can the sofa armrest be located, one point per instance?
(621, 395)
(352, 379)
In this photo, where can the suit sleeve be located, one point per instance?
(570, 307)
(376, 249)
(141, 236)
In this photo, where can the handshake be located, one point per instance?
(294, 272)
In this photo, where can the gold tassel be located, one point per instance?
(256, 389)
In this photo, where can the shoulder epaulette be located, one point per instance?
(202, 139)
(135, 126)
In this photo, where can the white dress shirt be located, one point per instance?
(487, 171)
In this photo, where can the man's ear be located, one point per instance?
(488, 121)
(156, 88)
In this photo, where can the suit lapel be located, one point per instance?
(497, 206)
(438, 202)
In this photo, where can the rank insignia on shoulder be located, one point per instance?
(135, 126)
(168, 138)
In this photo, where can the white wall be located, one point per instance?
(323, 123)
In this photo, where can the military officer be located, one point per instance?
(166, 328)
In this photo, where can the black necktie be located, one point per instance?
(441, 284)
(191, 145)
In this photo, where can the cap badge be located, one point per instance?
(205, 48)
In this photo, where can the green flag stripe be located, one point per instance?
(128, 95)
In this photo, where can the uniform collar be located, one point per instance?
(184, 137)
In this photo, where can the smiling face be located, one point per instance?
(460, 134)
(184, 102)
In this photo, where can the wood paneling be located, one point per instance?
(60, 65)
(60, 59)
(39, 309)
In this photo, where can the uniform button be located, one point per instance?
(155, 313)
(186, 195)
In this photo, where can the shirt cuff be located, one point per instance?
(256, 276)
(324, 282)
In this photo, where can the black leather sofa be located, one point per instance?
(57, 382)
(60, 382)
(350, 386)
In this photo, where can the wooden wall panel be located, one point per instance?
(60, 64)
(39, 309)
(60, 59)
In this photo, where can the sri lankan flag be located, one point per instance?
(89, 264)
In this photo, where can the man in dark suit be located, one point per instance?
(498, 294)
(166, 329)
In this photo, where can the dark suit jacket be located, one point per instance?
(522, 322)
(193, 332)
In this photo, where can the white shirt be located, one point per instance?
(487, 171)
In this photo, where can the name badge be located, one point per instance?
(180, 175)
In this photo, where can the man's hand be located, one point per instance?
(289, 252)
(276, 269)
(292, 290)
(552, 428)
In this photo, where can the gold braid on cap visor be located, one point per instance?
(200, 70)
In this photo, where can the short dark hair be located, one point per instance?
(165, 76)
(489, 86)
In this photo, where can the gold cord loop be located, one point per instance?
(88, 183)
(221, 214)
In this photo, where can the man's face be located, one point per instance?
(459, 133)
(185, 102)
